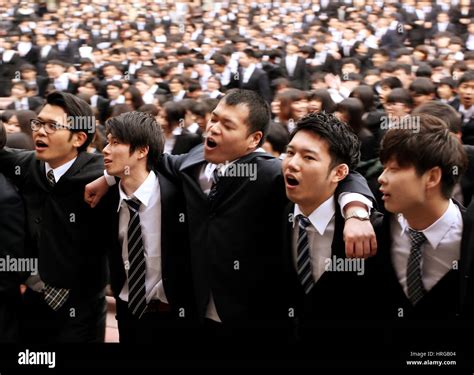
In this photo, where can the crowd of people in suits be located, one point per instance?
(357, 117)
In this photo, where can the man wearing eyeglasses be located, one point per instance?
(64, 301)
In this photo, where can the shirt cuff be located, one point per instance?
(110, 179)
(345, 198)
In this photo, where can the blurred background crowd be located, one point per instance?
(370, 62)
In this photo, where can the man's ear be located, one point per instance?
(433, 177)
(340, 172)
(255, 139)
(142, 152)
(79, 139)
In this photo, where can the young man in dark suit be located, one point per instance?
(249, 77)
(235, 200)
(12, 233)
(425, 262)
(65, 302)
(20, 99)
(149, 262)
(295, 68)
(327, 289)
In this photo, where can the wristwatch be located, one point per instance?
(359, 214)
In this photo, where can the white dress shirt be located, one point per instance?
(320, 235)
(150, 221)
(247, 73)
(439, 253)
(62, 82)
(59, 171)
(171, 141)
(22, 104)
(119, 100)
(45, 50)
(290, 62)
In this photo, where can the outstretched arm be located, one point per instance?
(95, 190)
(353, 194)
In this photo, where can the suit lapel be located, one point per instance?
(230, 183)
(466, 260)
(166, 203)
(338, 248)
(191, 167)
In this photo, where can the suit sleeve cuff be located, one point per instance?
(345, 198)
(110, 179)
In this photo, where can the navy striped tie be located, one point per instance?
(415, 286)
(136, 259)
(215, 181)
(303, 260)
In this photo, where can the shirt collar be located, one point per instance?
(321, 216)
(61, 170)
(436, 231)
(143, 193)
(177, 131)
(209, 170)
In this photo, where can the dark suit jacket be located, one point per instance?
(467, 180)
(7, 73)
(32, 57)
(236, 244)
(258, 82)
(12, 233)
(53, 54)
(34, 103)
(175, 259)
(300, 78)
(443, 311)
(338, 301)
(185, 142)
(62, 230)
(467, 128)
(45, 82)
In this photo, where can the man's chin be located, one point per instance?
(211, 157)
(41, 156)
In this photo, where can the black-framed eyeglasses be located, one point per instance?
(49, 126)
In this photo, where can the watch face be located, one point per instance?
(361, 214)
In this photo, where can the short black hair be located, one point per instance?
(278, 137)
(138, 129)
(442, 111)
(79, 113)
(432, 146)
(344, 145)
(466, 77)
(259, 110)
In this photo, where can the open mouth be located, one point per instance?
(210, 143)
(385, 195)
(291, 181)
(40, 145)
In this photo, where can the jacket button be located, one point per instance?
(38, 220)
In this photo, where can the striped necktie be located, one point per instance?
(415, 286)
(50, 177)
(136, 259)
(303, 260)
(215, 181)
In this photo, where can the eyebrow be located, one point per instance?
(223, 117)
(305, 150)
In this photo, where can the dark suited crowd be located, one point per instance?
(178, 93)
